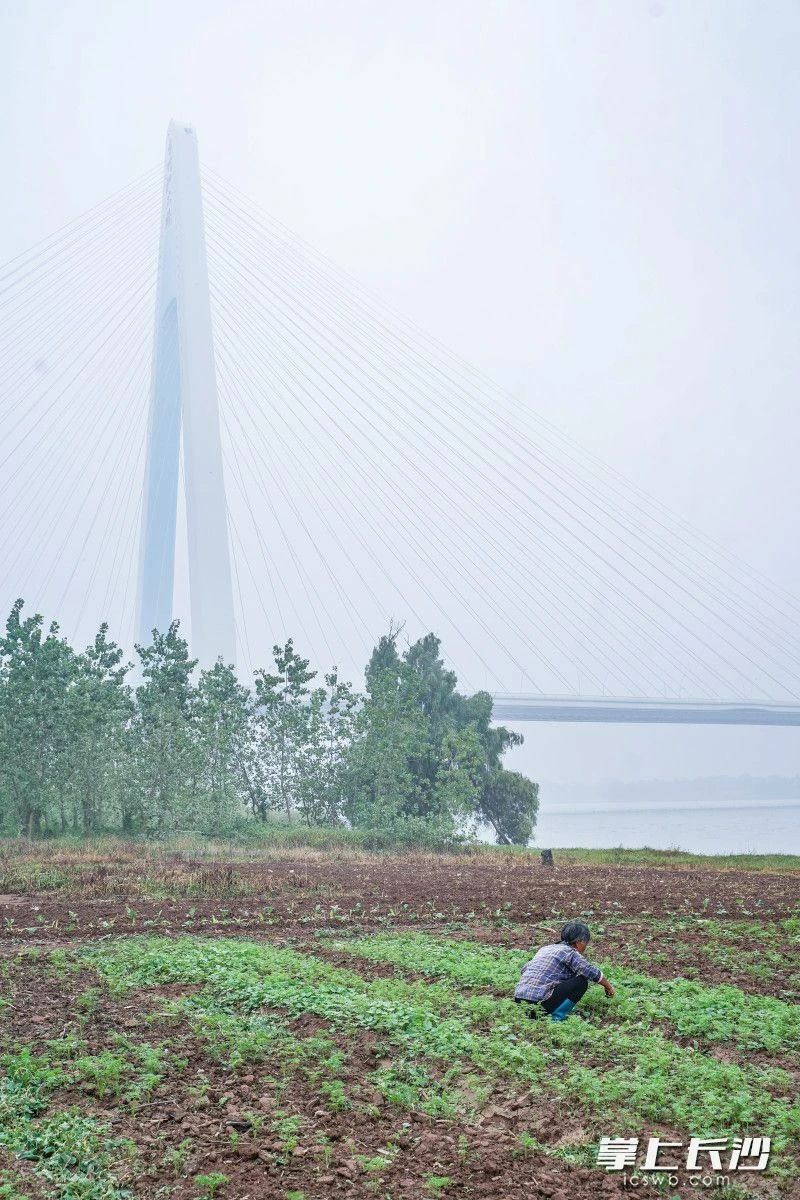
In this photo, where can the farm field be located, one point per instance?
(235, 1022)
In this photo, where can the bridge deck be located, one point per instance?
(653, 712)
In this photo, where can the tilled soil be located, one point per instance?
(456, 886)
(293, 897)
(502, 901)
(481, 1160)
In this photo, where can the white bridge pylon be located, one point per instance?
(184, 407)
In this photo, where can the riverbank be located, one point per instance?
(56, 863)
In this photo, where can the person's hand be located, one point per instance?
(608, 988)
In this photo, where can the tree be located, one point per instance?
(163, 765)
(81, 750)
(424, 751)
(380, 780)
(38, 723)
(222, 728)
(509, 802)
(283, 714)
(103, 709)
(324, 754)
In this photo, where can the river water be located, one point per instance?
(768, 828)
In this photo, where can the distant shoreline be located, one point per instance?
(730, 790)
(595, 806)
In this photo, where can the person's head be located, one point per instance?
(576, 934)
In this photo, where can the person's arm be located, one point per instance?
(582, 966)
(607, 987)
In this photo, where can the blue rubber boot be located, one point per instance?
(562, 1012)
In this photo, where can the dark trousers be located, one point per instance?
(571, 989)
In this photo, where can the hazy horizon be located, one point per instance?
(595, 206)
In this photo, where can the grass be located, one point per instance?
(681, 858)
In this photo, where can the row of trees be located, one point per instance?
(91, 743)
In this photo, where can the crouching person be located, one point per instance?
(557, 976)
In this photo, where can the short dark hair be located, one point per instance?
(575, 931)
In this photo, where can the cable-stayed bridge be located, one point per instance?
(280, 454)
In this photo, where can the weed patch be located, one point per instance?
(709, 1014)
(617, 1076)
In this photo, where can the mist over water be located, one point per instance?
(767, 828)
(707, 789)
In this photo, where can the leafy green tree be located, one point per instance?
(427, 696)
(38, 724)
(509, 802)
(282, 731)
(103, 708)
(399, 763)
(380, 781)
(459, 778)
(163, 767)
(324, 754)
(222, 728)
(424, 751)
(80, 749)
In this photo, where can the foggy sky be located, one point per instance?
(594, 203)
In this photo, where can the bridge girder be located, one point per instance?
(643, 712)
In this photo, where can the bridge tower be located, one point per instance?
(184, 405)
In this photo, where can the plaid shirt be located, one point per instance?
(550, 966)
